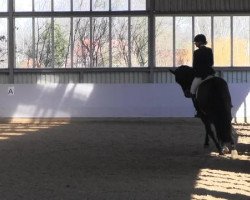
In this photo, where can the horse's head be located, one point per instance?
(184, 76)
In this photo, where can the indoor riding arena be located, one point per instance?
(89, 109)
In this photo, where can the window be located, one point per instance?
(164, 41)
(119, 5)
(42, 5)
(99, 34)
(3, 5)
(138, 4)
(62, 43)
(62, 5)
(3, 43)
(139, 41)
(183, 41)
(241, 41)
(203, 26)
(222, 41)
(81, 42)
(23, 6)
(43, 49)
(100, 42)
(88, 42)
(81, 5)
(24, 43)
(120, 52)
(100, 5)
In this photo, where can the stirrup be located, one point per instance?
(197, 115)
(188, 94)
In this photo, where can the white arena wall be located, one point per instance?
(107, 100)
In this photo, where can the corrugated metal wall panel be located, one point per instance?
(202, 5)
(26, 78)
(4, 78)
(236, 76)
(163, 77)
(114, 77)
(248, 77)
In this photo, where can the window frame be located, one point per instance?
(11, 15)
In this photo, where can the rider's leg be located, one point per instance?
(195, 84)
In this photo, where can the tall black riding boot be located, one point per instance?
(196, 106)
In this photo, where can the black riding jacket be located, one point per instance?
(203, 61)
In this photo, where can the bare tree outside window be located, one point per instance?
(120, 52)
(117, 5)
(62, 43)
(89, 43)
(43, 43)
(3, 44)
(81, 5)
(139, 41)
(100, 5)
(24, 50)
(183, 40)
(164, 41)
(42, 5)
(100, 42)
(81, 39)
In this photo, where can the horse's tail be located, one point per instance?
(224, 98)
(223, 127)
(224, 117)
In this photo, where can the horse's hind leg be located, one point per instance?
(206, 143)
(234, 139)
(208, 131)
(211, 134)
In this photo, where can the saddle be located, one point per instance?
(187, 92)
(204, 80)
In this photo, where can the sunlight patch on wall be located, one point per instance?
(37, 111)
(79, 91)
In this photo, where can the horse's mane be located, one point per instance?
(184, 75)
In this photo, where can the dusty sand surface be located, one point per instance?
(125, 159)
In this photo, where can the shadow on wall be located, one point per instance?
(108, 100)
(94, 100)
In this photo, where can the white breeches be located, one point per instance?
(195, 84)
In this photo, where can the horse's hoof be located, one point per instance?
(225, 150)
(234, 154)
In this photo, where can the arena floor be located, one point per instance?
(118, 159)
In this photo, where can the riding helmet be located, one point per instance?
(200, 38)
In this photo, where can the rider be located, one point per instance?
(202, 64)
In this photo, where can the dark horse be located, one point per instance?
(215, 105)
